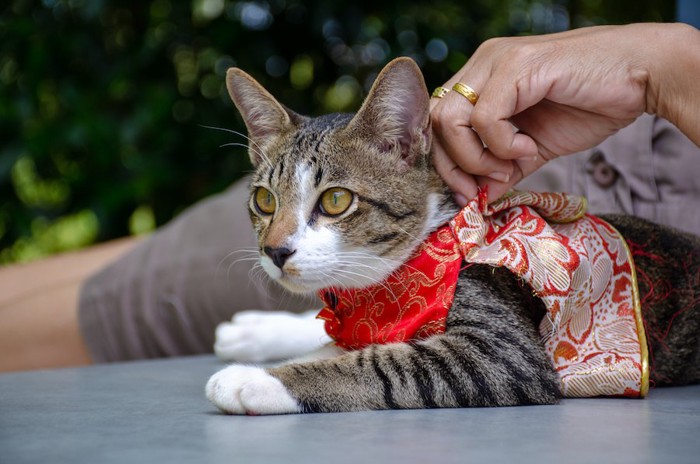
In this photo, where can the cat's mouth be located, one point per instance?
(326, 273)
(288, 276)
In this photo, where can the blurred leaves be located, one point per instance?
(103, 103)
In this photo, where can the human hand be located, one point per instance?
(540, 97)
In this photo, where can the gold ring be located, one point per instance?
(467, 92)
(439, 92)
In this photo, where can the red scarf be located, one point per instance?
(411, 304)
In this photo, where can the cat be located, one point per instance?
(343, 200)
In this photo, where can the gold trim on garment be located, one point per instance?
(641, 332)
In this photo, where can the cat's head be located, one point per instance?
(342, 200)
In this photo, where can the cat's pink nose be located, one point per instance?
(278, 255)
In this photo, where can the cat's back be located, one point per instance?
(667, 263)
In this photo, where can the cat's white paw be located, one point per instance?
(260, 336)
(249, 390)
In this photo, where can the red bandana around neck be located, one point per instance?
(411, 304)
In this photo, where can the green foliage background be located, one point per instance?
(104, 104)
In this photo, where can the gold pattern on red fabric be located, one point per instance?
(411, 304)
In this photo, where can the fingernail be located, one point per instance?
(460, 199)
(528, 158)
(499, 176)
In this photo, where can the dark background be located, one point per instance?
(103, 104)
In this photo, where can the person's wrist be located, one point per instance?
(669, 71)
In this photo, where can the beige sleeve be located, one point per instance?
(649, 169)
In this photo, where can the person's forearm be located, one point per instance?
(673, 92)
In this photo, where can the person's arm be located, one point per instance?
(39, 326)
(564, 93)
(673, 92)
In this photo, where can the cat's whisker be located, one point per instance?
(222, 129)
(393, 263)
(252, 255)
(257, 149)
(240, 250)
(229, 268)
(331, 279)
(258, 273)
(361, 259)
(232, 131)
(370, 258)
(348, 273)
(368, 255)
(253, 259)
(257, 152)
(417, 239)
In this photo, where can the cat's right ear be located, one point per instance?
(264, 117)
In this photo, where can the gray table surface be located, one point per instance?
(155, 411)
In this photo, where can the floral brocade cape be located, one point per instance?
(578, 264)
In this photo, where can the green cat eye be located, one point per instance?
(335, 201)
(264, 201)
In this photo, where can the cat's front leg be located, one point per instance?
(250, 390)
(240, 389)
(297, 387)
(393, 376)
(264, 336)
(445, 371)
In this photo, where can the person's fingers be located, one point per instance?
(523, 168)
(458, 152)
(479, 139)
(454, 134)
(491, 120)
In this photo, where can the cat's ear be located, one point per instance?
(265, 118)
(396, 113)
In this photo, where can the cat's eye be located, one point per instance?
(264, 201)
(335, 201)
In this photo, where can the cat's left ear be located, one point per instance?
(264, 117)
(396, 113)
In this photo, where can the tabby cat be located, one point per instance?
(342, 200)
